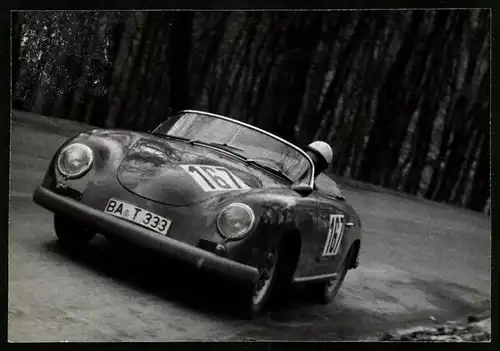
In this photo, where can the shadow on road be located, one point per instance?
(153, 273)
(147, 271)
(294, 318)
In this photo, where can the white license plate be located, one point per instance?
(138, 215)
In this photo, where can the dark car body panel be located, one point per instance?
(98, 220)
(150, 161)
(145, 170)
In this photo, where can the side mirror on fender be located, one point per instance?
(302, 189)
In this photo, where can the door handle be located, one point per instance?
(349, 224)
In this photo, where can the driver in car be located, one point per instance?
(321, 154)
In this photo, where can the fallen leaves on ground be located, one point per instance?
(473, 330)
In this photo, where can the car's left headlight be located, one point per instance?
(235, 220)
(74, 160)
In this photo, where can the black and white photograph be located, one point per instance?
(250, 175)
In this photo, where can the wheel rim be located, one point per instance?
(265, 278)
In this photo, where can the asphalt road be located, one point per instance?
(418, 259)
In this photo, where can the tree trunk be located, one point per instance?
(472, 115)
(143, 82)
(433, 91)
(346, 154)
(481, 187)
(463, 176)
(342, 70)
(264, 72)
(250, 91)
(161, 84)
(180, 43)
(264, 85)
(297, 69)
(211, 52)
(75, 112)
(458, 149)
(459, 101)
(371, 81)
(40, 92)
(387, 132)
(132, 109)
(439, 171)
(128, 49)
(219, 84)
(236, 84)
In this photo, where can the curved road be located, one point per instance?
(419, 259)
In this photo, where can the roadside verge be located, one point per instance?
(473, 329)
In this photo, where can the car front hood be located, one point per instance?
(177, 173)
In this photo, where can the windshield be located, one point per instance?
(242, 139)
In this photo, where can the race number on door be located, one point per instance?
(334, 236)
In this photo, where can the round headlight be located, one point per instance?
(235, 220)
(74, 160)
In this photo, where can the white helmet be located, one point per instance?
(323, 149)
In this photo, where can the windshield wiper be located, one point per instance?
(269, 168)
(224, 146)
(168, 136)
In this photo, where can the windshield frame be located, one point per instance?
(269, 134)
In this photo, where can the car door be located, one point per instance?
(324, 246)
(336, 222)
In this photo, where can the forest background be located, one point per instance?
(403, 96)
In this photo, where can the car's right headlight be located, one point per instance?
(235, 220)
(75, 160)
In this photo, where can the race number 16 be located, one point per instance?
(334, 237)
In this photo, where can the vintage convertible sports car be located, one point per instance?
(213, 192)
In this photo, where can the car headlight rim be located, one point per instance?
(83, 169)
(232, 236)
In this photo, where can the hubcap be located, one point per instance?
(266, 274)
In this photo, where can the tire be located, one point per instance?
(272, 275)
(326, 291)
(70, 234)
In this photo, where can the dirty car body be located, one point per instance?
(208, 190)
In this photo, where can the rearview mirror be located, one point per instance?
(302, 189)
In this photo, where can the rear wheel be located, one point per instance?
(326, 291)
(71, 234)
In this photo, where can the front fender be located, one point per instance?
(277, 213)
(109, 148)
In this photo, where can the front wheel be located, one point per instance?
(256, 295)
(263, 287)
(71, 234)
